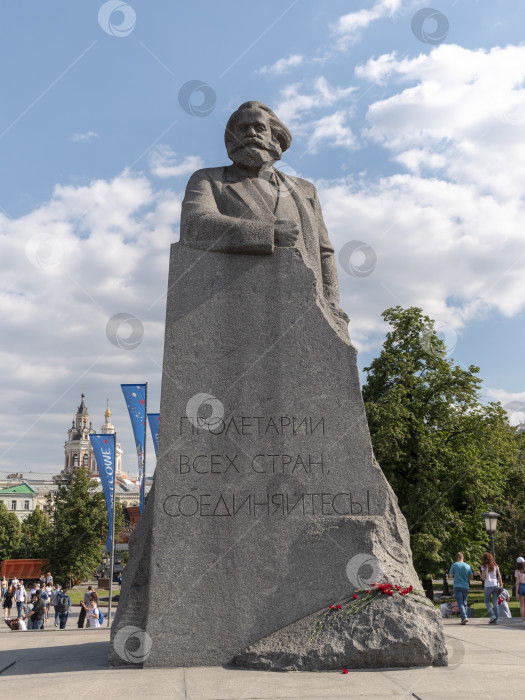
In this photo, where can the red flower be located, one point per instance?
(338, 607)
(411, 588)
(368, 591)
(332, 607)
(390, 592)
(354, 597)
(345, 670)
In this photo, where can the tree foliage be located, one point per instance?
(79, 518)
(447, 456)
(35, 538)
(9, 533)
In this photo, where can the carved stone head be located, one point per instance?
(254, 135)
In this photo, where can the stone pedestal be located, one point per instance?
(268, 504)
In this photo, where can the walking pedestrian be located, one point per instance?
(55, 595)
(37, 613)
(20, 599)
(63, 606)
(491, 577)
(44, 596)
(462, 575)
(84, 605)
(519, 574)
(7, 601)
(3, 586)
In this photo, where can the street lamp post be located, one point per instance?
(491, 524)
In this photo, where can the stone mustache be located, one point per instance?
(268, 504)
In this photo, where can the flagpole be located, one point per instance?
(143, 490)
(112, 563)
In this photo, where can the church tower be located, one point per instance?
(108, 429)
(77, 448)
(78, 451)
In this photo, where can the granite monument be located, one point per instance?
(268, 504)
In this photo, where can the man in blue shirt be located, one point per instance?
(462, 574)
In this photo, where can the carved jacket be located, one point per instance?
(226, 211)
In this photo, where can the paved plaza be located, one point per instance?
(485, 662)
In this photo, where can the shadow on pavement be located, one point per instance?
(88, 656)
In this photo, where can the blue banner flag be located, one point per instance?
(154, 419)
(104, 449)
(136, 401)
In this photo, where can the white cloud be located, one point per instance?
(333, 130)
(163, 163)
(87, 137)
(281, 66)
(299, 109)
(349, 26)
(448, 234)
(512, 402)
(83, 256)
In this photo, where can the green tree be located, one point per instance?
(510, 536)
(79, 516)
(35, 536)
(9, 533)
(445, 454)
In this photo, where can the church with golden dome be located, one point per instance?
(78, 451)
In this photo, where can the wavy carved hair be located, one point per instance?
(281, 133)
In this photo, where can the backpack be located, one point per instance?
(100, 617)
(61, 606)
(44, 596)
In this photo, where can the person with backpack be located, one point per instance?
(62, 607)
(94, 616)
(85, 604)
(491, 577)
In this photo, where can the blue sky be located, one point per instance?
(416, 148)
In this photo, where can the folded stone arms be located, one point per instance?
(223, 222)
(228, 214)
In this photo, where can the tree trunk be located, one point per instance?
(428, 587)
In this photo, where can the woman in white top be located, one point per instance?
(520, 586)
(93, 616)
(491, 578)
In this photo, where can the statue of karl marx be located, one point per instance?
(250, 207)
